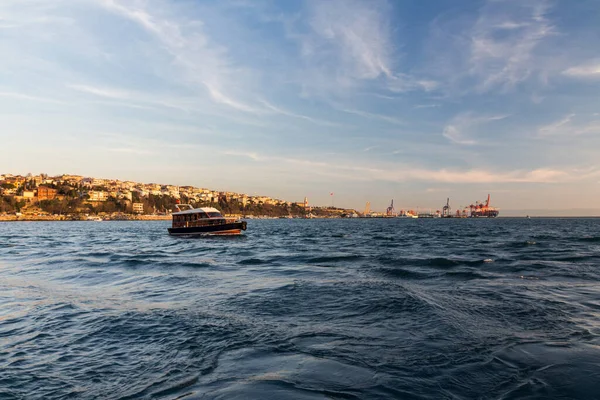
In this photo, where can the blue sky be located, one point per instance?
(370, 100)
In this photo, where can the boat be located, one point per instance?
(203, 221)
(483, 210)
(408, 214)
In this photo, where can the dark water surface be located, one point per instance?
(302, 309)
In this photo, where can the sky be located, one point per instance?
(415, 101)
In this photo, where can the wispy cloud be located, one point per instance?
(427, 105)
(438, 190)
(589, 70)
(245, 154)
(202, 61)
(350, 44)
(221, 98)
(555, 127)
(427, 84)
(408, 173)
(130, 150)
(460, 129)
(101, 91)
(12, 17)
(278, 110)
(504, 40)
(571, 126)
(497, 49)
(128, 98)
(355, 31)
(369, 115)
(23, 96)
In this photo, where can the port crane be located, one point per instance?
(447, 211)
(483, 209)
(390, 211)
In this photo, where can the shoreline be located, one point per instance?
(64, 218)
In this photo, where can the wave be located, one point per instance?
(589, 239)
(301, 309)
(404, 273)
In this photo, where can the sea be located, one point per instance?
(302, 309)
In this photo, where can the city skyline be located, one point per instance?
(123, 189)
(368, 100)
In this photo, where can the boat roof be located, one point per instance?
(197, 210)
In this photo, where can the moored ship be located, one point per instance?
(477, 210)
(483, 210)
(203, 221)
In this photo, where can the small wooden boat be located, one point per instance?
(203, 221)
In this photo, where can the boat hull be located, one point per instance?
(485, 214)
(230, 228)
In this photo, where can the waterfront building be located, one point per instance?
(46, 193)
(138, 208)
(98, 195)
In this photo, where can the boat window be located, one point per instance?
(214, 214)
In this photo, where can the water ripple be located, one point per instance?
(301, 309)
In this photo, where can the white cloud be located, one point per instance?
(503, 42)
(434, 105)
(555, 127)
(23, 96)
(101, 91)
(202, 61)
(503, 45)
(438, 190)
(351, 44)
(401, 83)
(589, 70)
(135, 99)
(219, 97)
(455, 134)
(358, 33)
(281, 111)
(428, 85)
(251, 155)
(460, 129)
(408, 173)
(365, 114)
(570, 126)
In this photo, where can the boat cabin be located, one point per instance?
(196, 217)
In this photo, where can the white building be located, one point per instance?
(138, 208)
(98, 195)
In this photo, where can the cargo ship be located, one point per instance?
(483, 210)
(477, 210)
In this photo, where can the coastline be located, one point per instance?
(71, 218)
(59, 218)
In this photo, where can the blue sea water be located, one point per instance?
(302, 309)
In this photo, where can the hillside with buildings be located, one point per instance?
(76, 196)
